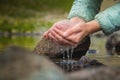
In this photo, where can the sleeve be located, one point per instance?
(109, 19)
(86, 9)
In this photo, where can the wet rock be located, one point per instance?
(101, 73)
(113, 44)
(53, 50)
(92, 51)
(76, 65)
(20, 64)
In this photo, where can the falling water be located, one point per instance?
(47, 46)
(69, 53)
(63, 58)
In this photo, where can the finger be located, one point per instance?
(72, 30)
(71, 40)
(61, 34)
(46, 34)
(60, 39)
(51, 37)
(76, 38)
(81, 36)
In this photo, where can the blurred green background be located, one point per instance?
(22, 22)
(19, 18)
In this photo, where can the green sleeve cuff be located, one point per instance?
(86, 9)
(109, 19)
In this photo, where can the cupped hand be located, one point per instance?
(57, 37)
(56, 32)
(77, 33)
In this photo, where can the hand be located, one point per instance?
(54, 35)
(77, 33)
(81, 30)
(56, 31)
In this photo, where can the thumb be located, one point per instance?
(72, 30)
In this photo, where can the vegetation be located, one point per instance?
(29, 15)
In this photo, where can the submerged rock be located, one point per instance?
(19, 64)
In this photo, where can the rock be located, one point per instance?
(113, 44)
(53, 50)
(20, 64)
(92, 51)
(100, 73)
(76, 65)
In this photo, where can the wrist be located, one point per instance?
(77, 19)
(93, 26)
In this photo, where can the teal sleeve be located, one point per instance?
(109, 19)
(86, 9)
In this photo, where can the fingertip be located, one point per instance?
(65, 34)
(44, 35)
(68, 33)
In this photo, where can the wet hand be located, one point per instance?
(77, 33)
(55, 33)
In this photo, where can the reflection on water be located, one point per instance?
(24, 41)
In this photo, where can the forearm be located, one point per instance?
(85, 9)
(109, 19)
(92, 26)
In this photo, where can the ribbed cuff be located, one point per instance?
(86, 9)
(109, 19)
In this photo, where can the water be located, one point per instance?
(67, 64)
(30, 42)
